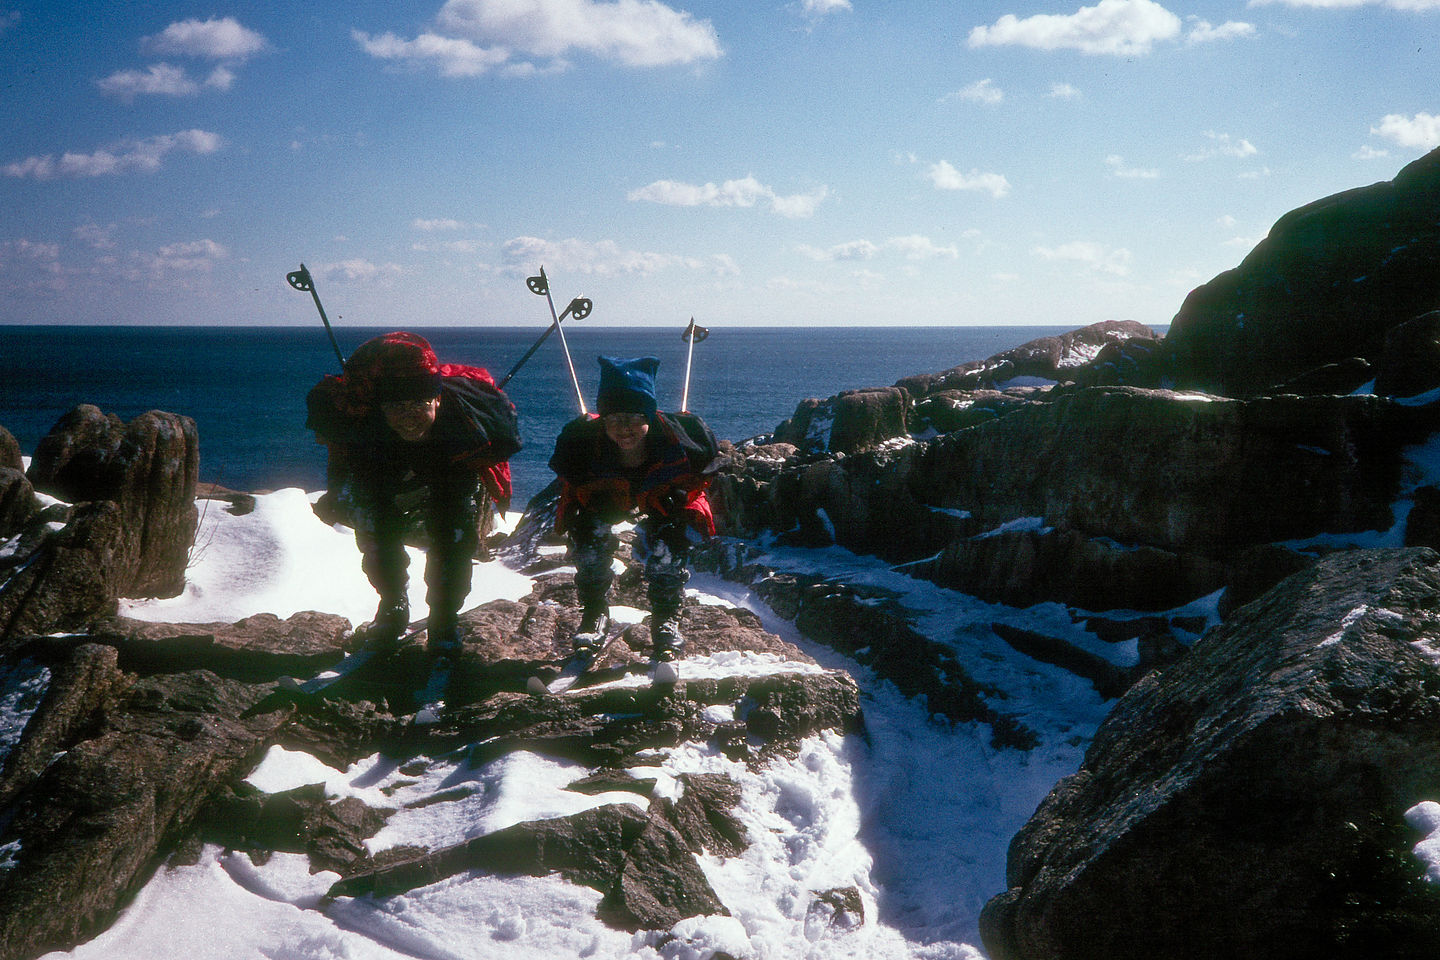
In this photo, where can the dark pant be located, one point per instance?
(451, 517)
(663, 548)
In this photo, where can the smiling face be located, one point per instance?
(627, 431)
(411, 419)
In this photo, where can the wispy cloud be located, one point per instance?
(360, 270)
(946, 177)
(1202, 31)
(821, 8)
(162, 79)
(1115, 27)
(911, 247)
(603, 258)
(1119, 168)
(127, 156)
(1094, 256)
(433, 226)
(1421, 131)
(746, 192)
(981, 91)
(1064, 91)
(224, 40)
(473, 37)
(1410, 5)
(452, 56)
(1224, 145)
(1367, 152)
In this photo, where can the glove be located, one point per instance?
(672, 503)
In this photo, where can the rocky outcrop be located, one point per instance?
(1063, 358)
(149, 469)
(1249, 800)
(136, 753)
(1329, 283)
(62, 576)
(1101, 497)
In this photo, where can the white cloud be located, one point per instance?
(1094, 256)
(221, 78)
(746, 192)
(635, 33)
(820, 8)
(911, 247)
(1064, 91)
(96, 236)
(360, 270)
(602, 258)
(1367, 152)
(431, 226)
(946, 177)
(1224, 145)
(1413, 6)
(161, 78)
(453, 57)
(1227, 221)
(1119, 168)
(145, 156)
(1421, 131)
(223, 39)
(1201, 31)
(1117, 27)
(981, 91)
(31, 250)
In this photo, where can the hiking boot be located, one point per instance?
(665, 635)
(594, 625)
(392, 619)
(442, 636)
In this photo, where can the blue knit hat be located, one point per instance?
(627, 386)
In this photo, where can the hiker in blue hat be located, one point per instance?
(629, 461)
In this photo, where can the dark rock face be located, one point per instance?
(17, 501)
(1330, 282)
(1249, 800)
(64, 580)
(10, 454)
(149, 468)
(89, 829)
(1115, 496)
(1410, 363)
(850, 421)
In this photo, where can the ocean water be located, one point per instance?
(245, 386)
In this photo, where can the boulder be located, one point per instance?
(1330, 282)
(91, 829)
(149, 468)
(1410, 361)
(11, 457)
(1249, 800)
(62, 579)
(258, 648)
(17, 502)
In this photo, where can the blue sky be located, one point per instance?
(811, 162)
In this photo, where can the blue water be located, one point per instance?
(245, 386)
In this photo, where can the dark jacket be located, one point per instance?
(475, 433)
(681, 455)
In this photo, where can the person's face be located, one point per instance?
(411, 419)
(626, 430)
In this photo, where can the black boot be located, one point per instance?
(665, 634)
(594, 625)
(442, 634)
(392, 619)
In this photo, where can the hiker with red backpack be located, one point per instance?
(397, 419)
(632, 462)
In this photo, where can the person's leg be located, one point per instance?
(452, 524)
(664, 548)
(592, 550)
(384, 561)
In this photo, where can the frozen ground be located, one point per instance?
(916, 814)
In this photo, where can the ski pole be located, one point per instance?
(541, 285)
(693, 334)
(579, 308)
(302, 281)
